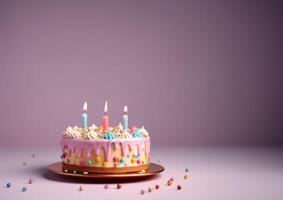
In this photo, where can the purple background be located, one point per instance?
(192, 72)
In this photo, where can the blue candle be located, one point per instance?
(125, 121)
(84, 116)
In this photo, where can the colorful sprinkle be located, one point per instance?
(157, 187)
(132, 128)
(82, 163)
(24, 189)
(122, 160)
(138, 161)
(106, 186)
(133, 160)
(89, 162)
(119, 186)
(142, 192)
(98, 159)
(115, 159)
(30, 181)
(187, 170)
(169, 183)
(85, 173)
(172, 179)
(80, 188)
(179, 187)
(186, 177)
(8, 185)
(149, 189)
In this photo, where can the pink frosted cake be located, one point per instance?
(105, 149)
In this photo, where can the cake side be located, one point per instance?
(116, 150)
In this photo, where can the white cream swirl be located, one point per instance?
(126, 134)
(92, 135)
(144, 132)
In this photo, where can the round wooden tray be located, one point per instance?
(153, 169)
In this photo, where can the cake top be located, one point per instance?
(95, 133)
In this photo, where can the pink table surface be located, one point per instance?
(215, 173)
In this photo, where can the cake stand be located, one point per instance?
(152, 170)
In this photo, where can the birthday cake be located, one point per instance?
(104, 149)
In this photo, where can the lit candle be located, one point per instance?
(84, 116)
(125, 118)
(105, 118)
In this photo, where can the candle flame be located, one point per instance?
(125, 109)
(85, 107)
(105, 107)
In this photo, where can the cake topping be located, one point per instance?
(109, 135)
(144, 132)
(137, 133)
(93, 132)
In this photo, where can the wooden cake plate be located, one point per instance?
(152, 170)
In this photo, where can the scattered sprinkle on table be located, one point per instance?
(157, 186)
(149, 189)
(179, 187)
(8, 185)
(30, 181)
(24, 163)
(169, 182)
(24, 189)
(186, 177)
(80, 188)
(119, 186)
(106, 186)
(142, 192)
(187, 170)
